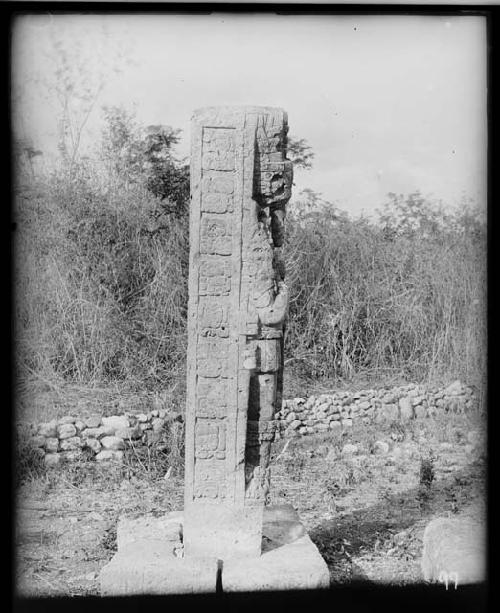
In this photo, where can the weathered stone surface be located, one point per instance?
(350, 449)
(112, 442)
(109, 455)
(155, 529)
(454, 389)
(281, 525)
(456, 404)
(37, 441)
(132, 433)
(93, 443)
(116, 422)
(454, 551)
(52, 459)
(49, 429)
(71, 444)
(227, 531)
(148, 568)
(80, 425)
(297, 565)
(405, 409)
(157, 424)
(71, 455)
(93, 421)
(67, 419)
(51, 445)
(97, 432)
(420, 411)
(66, 430)
(240, 184)
(390, 411)
(380, 448)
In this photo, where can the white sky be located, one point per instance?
(388, 103)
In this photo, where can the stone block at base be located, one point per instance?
(144, 568)
(147, 562)
(222, 531)
(294, 566)
(167, 528)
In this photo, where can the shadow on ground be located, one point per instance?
(377, 529)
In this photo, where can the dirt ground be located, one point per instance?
(366, 512)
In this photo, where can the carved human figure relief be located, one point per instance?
(240, 184)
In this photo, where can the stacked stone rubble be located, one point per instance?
(341, 409)
(107, 438)
(99, 438)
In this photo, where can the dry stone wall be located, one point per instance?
(341, 409)
(107, 438)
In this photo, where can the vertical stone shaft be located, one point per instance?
(240, 183)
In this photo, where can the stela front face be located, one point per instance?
(240, 184)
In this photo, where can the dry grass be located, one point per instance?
(365, 512)
(409, 304)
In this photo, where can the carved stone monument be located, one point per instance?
(240, 184)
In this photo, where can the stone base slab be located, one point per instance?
(150, 559)
(144, 568)
(167, 528)
(222, 531)
(294, 566)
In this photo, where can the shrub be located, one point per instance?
(101, 267)
(362, 299)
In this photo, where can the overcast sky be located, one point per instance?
(388, 103)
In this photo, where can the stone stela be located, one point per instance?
(240, 184)
(228, 538)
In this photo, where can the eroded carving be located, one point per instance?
(241, 182)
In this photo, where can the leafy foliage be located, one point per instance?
(299, 152)
(145, 156)
(102, 267)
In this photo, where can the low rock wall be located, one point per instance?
(341, 409)
(106, 438)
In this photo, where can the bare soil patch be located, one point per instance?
(366, 512)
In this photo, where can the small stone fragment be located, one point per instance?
(116, 422)
(350, 449)
(80, 425)
(71, 444)
(51, 445)
(109, 455)
(37, 441)
(405, 409)
(68, 419)
(112, 443)
(49, 429)
(52, 459)
(454, 389)
(94, 421)
(93, 444)
(66, 430)
(380, 448)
